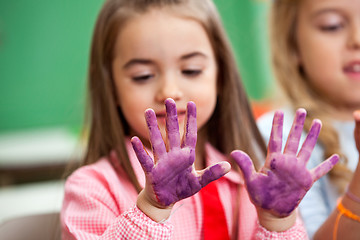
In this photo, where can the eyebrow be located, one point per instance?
(322, 11)
(148, 61)
(193, 54)
(137, 61)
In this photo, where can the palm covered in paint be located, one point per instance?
(171, 176)
(284, 180)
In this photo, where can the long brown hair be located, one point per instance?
(283, 23)
(231, 126)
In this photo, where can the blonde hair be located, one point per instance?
(283, 21)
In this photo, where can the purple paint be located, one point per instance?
(190, 134)
(172, 177)
(157, 143)
(310, 141)
(324, 167)
(275, 142)
(208, 176)
(292, 143)
(146, 162)
(284, 180)
(172, 124)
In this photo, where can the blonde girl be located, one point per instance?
(315, 48)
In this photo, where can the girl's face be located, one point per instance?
(159, 55)
(328, 39)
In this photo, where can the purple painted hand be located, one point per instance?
(283, 181)
(172, 176)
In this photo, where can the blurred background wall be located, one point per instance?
(246, 24)
(44, 49)
(43, 59)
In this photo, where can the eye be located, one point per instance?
(142, 78)
(332, 27)
(191, 72)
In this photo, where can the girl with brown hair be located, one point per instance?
(149, 53)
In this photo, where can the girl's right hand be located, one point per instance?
(171, 176)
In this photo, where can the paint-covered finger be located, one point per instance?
(292, 143)
(310, 141)
(324, 167)
(172, 124)
(156, 139)
(190, 132)
(213, 172)
(275, 141)
(245, 164)
(145, 160)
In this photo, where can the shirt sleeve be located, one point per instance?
(92, 211)
(134, 224)
(295, 232)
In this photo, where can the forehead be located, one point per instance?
(317, 5)
(159, 30)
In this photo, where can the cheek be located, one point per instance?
(320, 65)
(319, 56)
(133, 111)
(205, 104)
(205, 114)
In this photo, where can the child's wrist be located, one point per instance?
(350, 204)
(274, 223)
(152, 209)
(352, 196)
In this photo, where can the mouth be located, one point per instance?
(162, 115)
(353, 70)
(353, 67)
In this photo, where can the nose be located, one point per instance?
(354, 37)
(169, 88)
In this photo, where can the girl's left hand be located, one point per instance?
(283, 181)
(171, 176)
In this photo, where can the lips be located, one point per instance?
(160, 115)
(352, 70)
(353, 67)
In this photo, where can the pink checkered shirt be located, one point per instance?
(100, 203)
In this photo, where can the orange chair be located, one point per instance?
(259, 108)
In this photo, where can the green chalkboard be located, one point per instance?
(44, 48)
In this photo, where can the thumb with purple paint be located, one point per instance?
(171, 175)
(280, 185)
